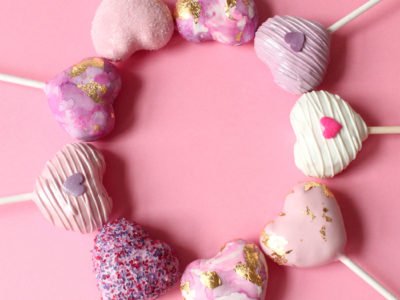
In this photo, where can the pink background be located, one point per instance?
(202, 150)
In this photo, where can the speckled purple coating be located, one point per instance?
(229, 22)
(82, 96)
(129, 265)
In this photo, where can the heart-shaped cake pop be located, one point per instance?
(315, 153)
(296, 51)
(122, 27)
(310, 230)
(70, 192)
(81, 98)
(130, 265)
(232, 22)
(237, 272)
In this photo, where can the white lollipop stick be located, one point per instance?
(384, 130)
(22, 81)
(16, 198)
(367, 278)
(351, 16)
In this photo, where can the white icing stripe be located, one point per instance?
(85, 213)
(314, 154)
(296, 72)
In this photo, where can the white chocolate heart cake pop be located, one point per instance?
(69, 192)
(310, 230)
(237, 272)
(329, 134)
(297, 50)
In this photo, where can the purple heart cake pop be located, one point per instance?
(81, 98)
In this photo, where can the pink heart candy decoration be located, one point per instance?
(232, 22)
(295, 71)
(309, 232)
(83, 213)
(331, 127)
(81, 98)
(122, 27)
(237, 272)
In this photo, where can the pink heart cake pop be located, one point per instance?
(310, 232)
(122, 27)
(329, 133)
(237, 272)
(130, 265)
(297, 50)
(81, 97)
(69, 192)
(230, 22)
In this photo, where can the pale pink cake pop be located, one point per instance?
(122, 27)
(237, 272)
(70, 193)
(296, 50)
(309, 232)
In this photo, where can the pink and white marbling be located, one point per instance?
(232, 22)
(81, 98)
(237, 272)
(295, 71)
(85, 212)
(310, 230)
(122, 27)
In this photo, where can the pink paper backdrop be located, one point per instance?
(202, 150)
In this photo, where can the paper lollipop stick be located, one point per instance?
(81, 97)
(329, 133)
(297, 50)
(69, 192)
(310, 232)
(353, 15)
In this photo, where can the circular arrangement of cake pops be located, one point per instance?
(81, 97)
(329, 133)
(69, 192)
(297, 50)
(310, 232)
(127, 262)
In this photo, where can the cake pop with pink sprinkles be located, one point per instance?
(131, 265)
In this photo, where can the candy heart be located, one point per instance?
(295, 71)
(74, 184)
(226, 21)
(296, 40)
(309, 232)
(331, 127)
(86, 211)
(237, 272)
(316, 155)
(82, 96)
(130, 265)
(122, 27)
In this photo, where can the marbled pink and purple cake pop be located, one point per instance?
(232, 22)
(237, 272)
(296, 51)
(81, 98)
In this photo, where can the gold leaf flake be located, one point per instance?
(310, 185)
(323, 233)
(228, 6)
(94, 90)
(250, 269)
(210, 279)
(310, 213)
(185, 287)
(325, 216)
(185, 9)
(277, 245)
(80, 68)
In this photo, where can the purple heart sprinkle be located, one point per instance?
(296, 40)
(74, 184)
